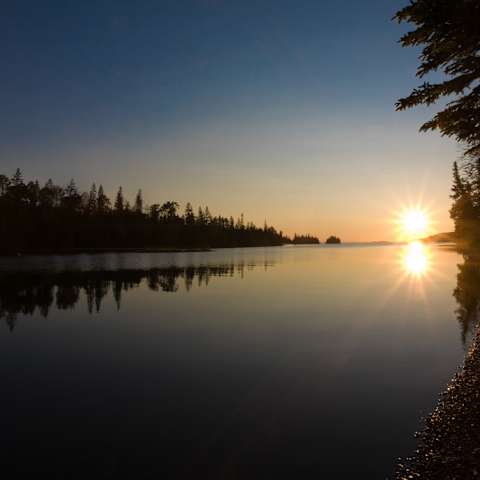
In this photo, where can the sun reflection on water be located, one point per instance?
(414, 271)
(416, 259)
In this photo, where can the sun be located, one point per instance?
(413, 224)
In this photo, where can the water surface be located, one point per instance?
(285, 362)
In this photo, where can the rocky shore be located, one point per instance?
(449, 444)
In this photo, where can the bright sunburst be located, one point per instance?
(413, 224)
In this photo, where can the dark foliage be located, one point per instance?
(305, 239)
(465, 210)
(53, 219)
(333, 239)
(448, 32)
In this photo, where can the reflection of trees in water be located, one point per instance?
(467, 294)
(26, 292)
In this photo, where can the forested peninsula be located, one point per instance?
(56, 219)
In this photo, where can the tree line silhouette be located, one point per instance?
(304, 239)
(28, 292)
(465, 210)
(55, 218)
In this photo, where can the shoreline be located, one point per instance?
(449, 442)
(103, 250)
(93, 251)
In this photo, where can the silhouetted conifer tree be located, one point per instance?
(208, 216)
(139, 203)
(240, 223)
(103, 202)
(200, 217)
(92, 200)
(473, 184)
(71, 199)
(189, 215)
(464, 211)
(458, 188)
(119, 201)
(17, 178)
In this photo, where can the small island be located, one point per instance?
(332, 239)
(305, 240)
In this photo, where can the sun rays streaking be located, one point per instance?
(413, 222)
(412, 217)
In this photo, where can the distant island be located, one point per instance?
(57, 219)
(305, 240)
(333, 239)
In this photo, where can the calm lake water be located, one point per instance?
(286, 362)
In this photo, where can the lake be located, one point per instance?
(283, 362)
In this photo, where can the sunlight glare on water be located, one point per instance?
(416, 259)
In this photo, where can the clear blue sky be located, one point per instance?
(278, 109)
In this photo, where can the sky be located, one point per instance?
(279, 109)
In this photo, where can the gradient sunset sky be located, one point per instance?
(281, 110)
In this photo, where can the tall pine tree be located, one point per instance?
(119, 201)
(103, 202)
(139, 203)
